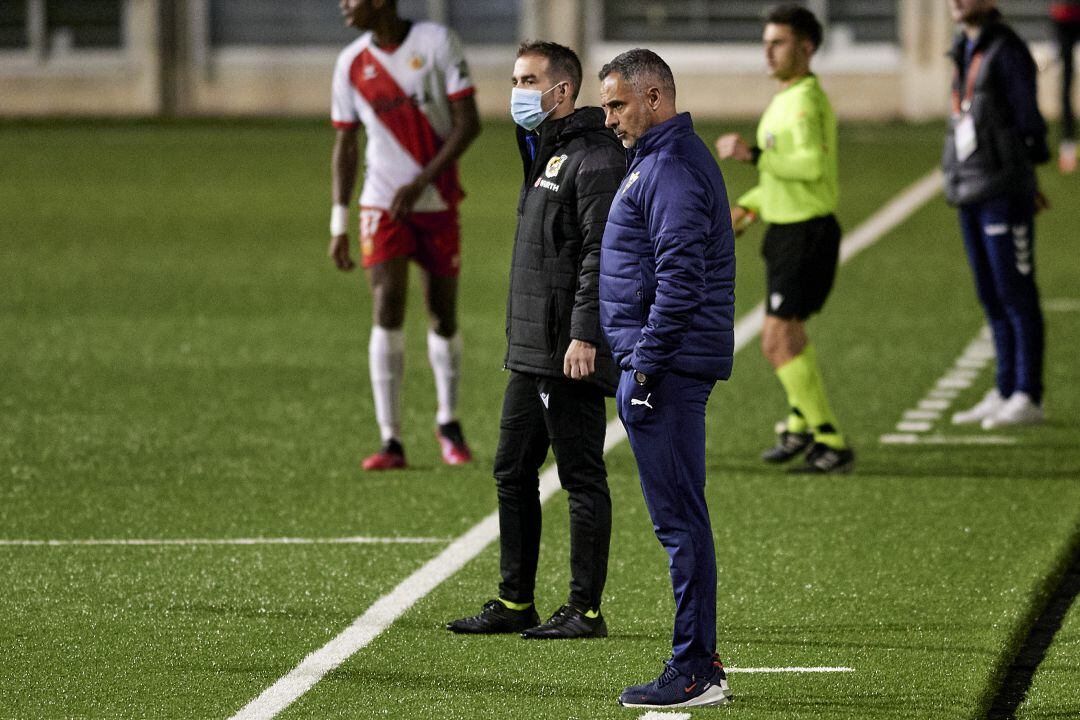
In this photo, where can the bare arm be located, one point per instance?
(465, 127)
(733, 146)
(343, 167)
(741, 219)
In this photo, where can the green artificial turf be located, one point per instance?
(179, 359)
(1055, 689)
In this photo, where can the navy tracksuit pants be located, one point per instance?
(665, 423)
(999, 235)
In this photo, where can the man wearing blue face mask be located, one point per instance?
(560, 365)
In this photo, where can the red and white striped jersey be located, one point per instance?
(402, 98)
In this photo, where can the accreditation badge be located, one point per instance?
(964, 137)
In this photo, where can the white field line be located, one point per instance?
(657, 715)
(229, 541)
(962, 375)
(892, 214)
(837, 669)
(916, 439)
(922, 419)
(1062, 305)
(391, 606)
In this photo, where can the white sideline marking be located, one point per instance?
(657, 715)
(391, 606)
(975, 357)
(912, 439)
(963, 373)
(921, 414)
(230, 541)
(892, 214)
(1062, 305)
(920, 426)
(838, 669)
(939, 394)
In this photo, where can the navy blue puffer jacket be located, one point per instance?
(667, 262)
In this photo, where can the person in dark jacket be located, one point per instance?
(1065, 16)
(667, 306)
(560, 365)
(996, 138)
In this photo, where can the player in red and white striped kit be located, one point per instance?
(407, 84)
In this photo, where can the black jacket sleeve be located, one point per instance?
(1017, 74)
(598, 179)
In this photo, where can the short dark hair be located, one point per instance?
(641, 64)
(562, 61)
(801, 21)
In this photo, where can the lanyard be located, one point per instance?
(961, 106)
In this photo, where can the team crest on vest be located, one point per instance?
(554, 165)
(416, 62)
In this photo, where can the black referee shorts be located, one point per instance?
(800, 265)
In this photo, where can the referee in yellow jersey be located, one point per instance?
(795, 154)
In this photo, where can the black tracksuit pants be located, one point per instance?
(569, 417)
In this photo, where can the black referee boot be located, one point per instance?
(496, 618)
(788, 445)
(822, 459)
(568, 622)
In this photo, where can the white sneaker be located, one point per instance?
(1019, 409)
(990, 404)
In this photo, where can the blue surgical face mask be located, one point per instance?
(526, 109)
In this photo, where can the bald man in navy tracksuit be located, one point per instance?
(667, 296)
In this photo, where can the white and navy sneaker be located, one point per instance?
(675, 690)
(1019, 409)
(983, 409)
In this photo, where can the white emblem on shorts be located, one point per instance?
(369, 225)
(544, 398)
(775, 301)
(645, 402)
